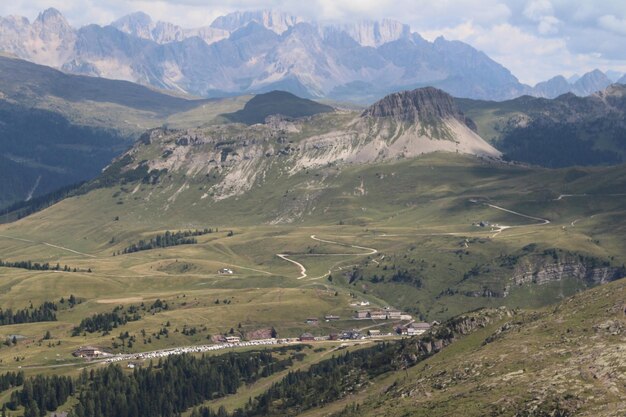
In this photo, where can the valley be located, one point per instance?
(271, 255)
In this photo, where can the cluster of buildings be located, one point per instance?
(413, 329)
(90, 352)
(386, 313)
(344, 335)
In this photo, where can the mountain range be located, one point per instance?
(57, 129)
(255, 52)
(61, 128)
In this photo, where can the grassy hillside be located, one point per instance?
(566, 131)
(44, 151)
(419, 216)
(276, 102)
(25, 81)
(58, 129)
(566, 360)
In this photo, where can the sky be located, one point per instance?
(535, 39)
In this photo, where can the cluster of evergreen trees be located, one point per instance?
(45, 312)
(10, 380)
(167, 239)
(557, 145)
(174, 385)
(36, 266)
(324, 382)
(181, 382)
(42, 394)
(105, 322)
(171, 387)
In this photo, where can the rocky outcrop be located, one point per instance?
(444, 334)
(425, 105)
(556, 271)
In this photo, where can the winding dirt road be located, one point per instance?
(303, 274)
(49, 244)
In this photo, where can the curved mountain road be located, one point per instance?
(303, 274)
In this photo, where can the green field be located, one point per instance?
(419, 215)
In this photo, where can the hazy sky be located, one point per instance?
(535, 39)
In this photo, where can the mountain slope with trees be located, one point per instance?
(565, 131)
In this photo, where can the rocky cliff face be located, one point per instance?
(241, 156)
(418, 105)
(49, 40)
(374, 34)
(258, 52)
(446, 333)
(544, 273)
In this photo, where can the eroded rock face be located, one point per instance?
(423, 104)
(545, 273)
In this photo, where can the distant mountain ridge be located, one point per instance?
(588, 84)
(57, 129)
(260, 51)
(565, 131)
(251, 52)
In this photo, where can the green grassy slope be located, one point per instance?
(565, 131)
(417, 214)
(566, 360)
(276, 102)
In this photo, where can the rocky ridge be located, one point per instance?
(260, 51)
(418, 105)
(243, 155)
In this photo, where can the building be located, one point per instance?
(312, 321)
(333, 336)
(89, 352)
(373, 332)
(307, 337)
(420, 328)
(415, 329)
(362, 315)
(378, 315)
(330, 317)
(394, 315)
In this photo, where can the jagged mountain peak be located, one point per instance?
(137, 24)
(554, 87)
(271, 19)
(593, 76)
(49, 14)
(376, 33)
(138, 17)
(308, 58)
(415, 105)
(52, 20)
(591, 82)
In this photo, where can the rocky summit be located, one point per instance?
(421, 104)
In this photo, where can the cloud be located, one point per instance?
(612, 23)
(542, 13)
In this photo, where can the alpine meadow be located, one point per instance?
(229, 211)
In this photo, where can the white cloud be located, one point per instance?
(542, 13)
(536, 9)
(612, 23)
